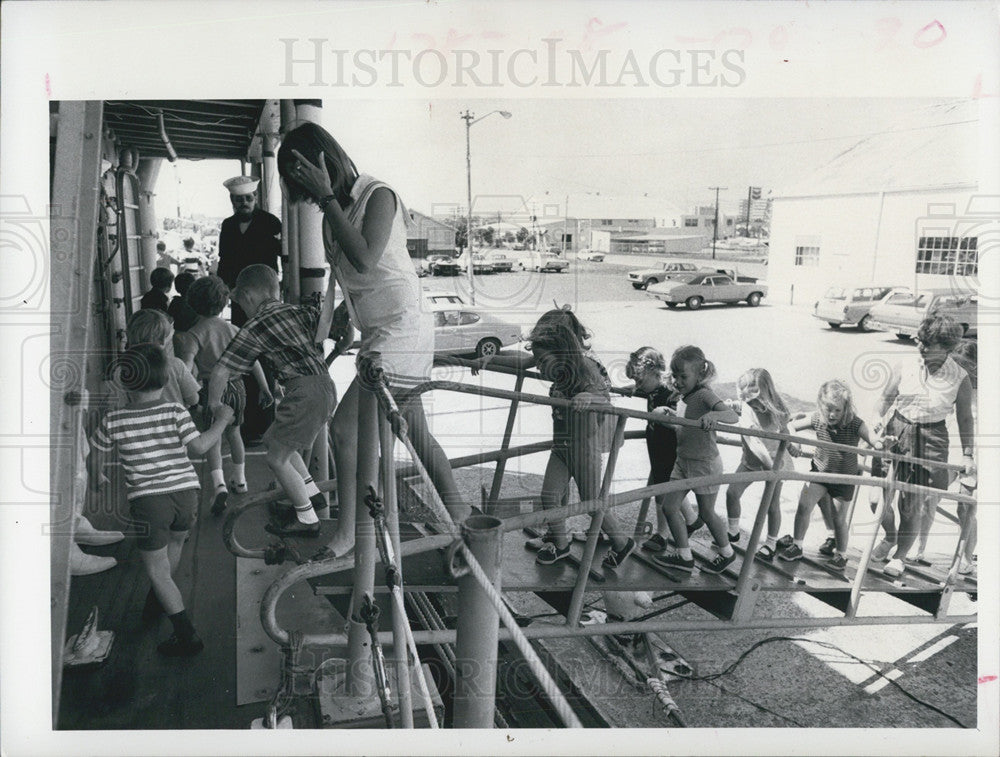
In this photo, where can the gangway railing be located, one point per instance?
(387, 415)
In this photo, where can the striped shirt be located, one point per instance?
(282, 336)
(835, 461)
(152, 439)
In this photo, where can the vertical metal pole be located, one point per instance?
(576, 601)
(312, 256)
(869, 546)
(387, 468)
(772, 489)
(505, 444)
(289, 223)
(468, 188)
(478, 628)
(360, 675)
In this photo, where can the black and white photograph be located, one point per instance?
(524, 368)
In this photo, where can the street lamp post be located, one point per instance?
(470, 118)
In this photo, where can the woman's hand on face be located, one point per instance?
(315, 179)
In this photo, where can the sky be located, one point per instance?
(668, 151)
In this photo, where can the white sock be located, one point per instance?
(311, 487)
(239, 473)
(734, 525)
(772, 542)
(686, 553)
(831, 534)
(306, 515)
(218, 478)
(797, 543)
(726, 551)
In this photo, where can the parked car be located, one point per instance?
(695, 289)
(851, 306)
(480, 264)
(441, 265)
(441, 297)
(592, 255)
(550, 262)
(462, 329)
(501, 262)
(903, 314)
(644, 277)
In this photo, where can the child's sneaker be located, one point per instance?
(894, 568)
(178, 647)
(791, 552)
(837, 562)
(720, 563)
(692, 527)
(882, 550)
(734, 538)
(829, 547)
(674, 560)
(785, 541)
(236, 488)
(537, 542)
(550, 554)
(221, 496)
(614, 557)
(966, 568)
(654, 543)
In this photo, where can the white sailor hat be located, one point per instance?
(241, 185)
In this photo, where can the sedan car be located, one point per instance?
(592, 255)
(851, 306)
(461, 330)
(501, 263)
(645, 277)
(903, 314)
(695, 289)
(442, 265)
(481, 264)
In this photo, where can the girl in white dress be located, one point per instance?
(364, 234)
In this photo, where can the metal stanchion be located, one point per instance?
(478, 627)
(360, 676)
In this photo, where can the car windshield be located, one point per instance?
(835, 293)
(900, 298)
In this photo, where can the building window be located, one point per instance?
(690, 221)
(807, 256)
(948, 256)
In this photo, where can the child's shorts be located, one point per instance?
(158, 514)
(837, 491)
(693, 468)
(234, 396)
(307, 406)
(661, 445)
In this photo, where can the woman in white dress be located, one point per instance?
(364, 235)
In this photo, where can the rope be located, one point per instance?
(549, 686)
(392, 580)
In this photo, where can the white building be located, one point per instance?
(898, 208)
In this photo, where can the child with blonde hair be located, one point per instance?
(837, 421)
(760, 407)
(150, 326)
(697, 455)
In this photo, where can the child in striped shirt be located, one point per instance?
(154, 438)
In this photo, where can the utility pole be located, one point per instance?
(565, 221)
(715, 224)
(749, 194)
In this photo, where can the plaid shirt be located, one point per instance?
(281, 335)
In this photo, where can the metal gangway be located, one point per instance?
(479, 563)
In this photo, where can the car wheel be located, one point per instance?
(965, 329)
(649, 282)
(865, 324)
(833, 325)
(903, 337)
(487, 347)
(754, 299)
(670, 305)
(693, 303)
(637, 285)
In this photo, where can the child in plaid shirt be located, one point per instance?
(282, 335)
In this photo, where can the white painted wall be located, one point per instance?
(863, 239)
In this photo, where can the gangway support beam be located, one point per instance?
(477, 631)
